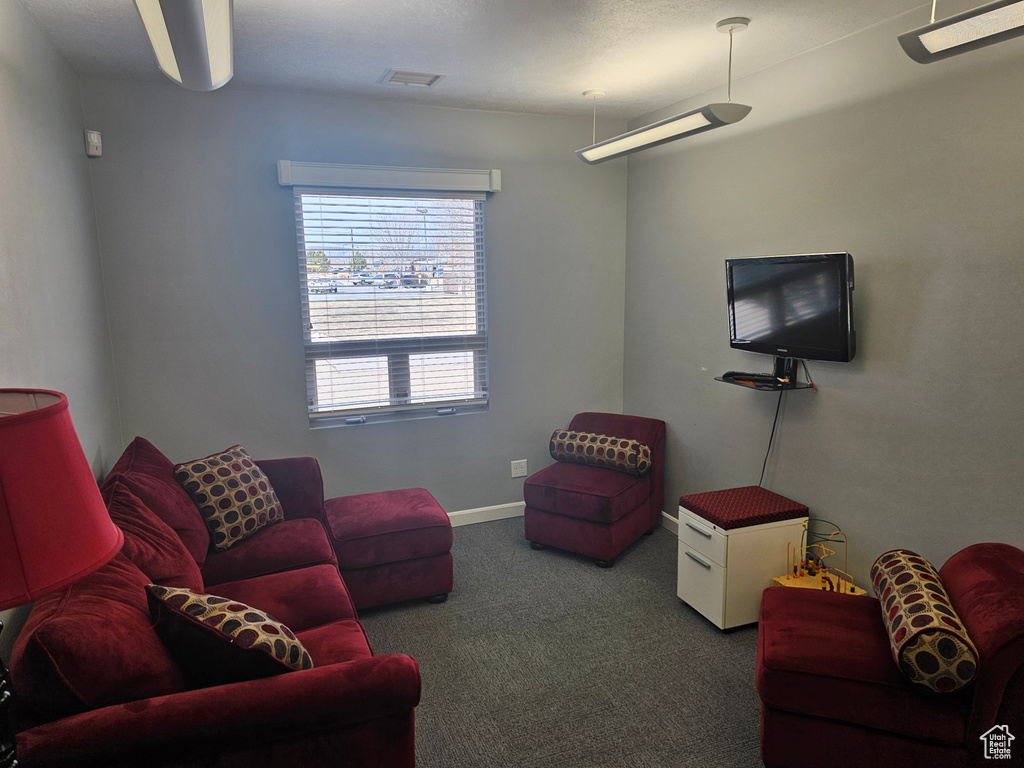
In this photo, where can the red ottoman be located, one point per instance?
(391, 546)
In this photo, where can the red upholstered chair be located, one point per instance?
(596, 511)
(829, 685)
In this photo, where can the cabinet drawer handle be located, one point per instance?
(699, 560)
(699, 530)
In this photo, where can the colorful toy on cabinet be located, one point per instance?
(809, 565)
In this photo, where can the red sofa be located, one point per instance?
(831, 692)
(96, 686)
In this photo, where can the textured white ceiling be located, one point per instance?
(517, 55)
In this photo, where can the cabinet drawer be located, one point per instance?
(699, 535)
(701, 585)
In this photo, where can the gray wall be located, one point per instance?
(918, 172)
(200, 265)
(52, 324)
(915, 170)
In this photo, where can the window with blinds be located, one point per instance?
(393, 304)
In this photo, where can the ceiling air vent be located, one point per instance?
(410, 77)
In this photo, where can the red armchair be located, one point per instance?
(829, 685)
(596, 511)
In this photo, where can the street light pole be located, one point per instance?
(423, 213)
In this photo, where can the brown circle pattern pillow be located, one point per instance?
(234, 497)
(217, 640)
(621, 454)
(928, 640)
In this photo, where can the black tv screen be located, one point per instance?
(792, 306)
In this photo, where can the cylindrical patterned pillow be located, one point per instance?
(621, 454)
(928, 640)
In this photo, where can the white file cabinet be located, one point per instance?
(722, 572)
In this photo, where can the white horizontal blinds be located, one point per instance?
(393, 303)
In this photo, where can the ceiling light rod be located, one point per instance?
(594, 94)
(730, 26)
(191, 39)
(686, 124)
(967, 31)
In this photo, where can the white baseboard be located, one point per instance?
(487, 514)
(672, 523)
(504, 511)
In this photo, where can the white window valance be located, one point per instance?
(291, 173)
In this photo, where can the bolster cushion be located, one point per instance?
(927, 638)
(618, 453)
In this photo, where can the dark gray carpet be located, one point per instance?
(544, 660)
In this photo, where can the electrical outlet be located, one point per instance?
(519, 468)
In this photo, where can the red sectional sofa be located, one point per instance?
(96, 686)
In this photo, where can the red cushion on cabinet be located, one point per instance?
(742, 507)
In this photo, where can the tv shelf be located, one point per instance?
(773, 386)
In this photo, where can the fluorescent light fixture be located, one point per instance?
(687, 124)
(191, 40)
(976, 28)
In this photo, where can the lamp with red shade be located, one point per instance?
(54, 527)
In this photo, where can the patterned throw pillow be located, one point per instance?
(622, 454)
(234, 497)
(928, 640)
(215, 640)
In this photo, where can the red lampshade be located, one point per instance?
(54, 527)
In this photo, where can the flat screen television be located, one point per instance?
(798, 307)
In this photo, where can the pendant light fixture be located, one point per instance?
(191, 40)
(686, 124)
(976, 28)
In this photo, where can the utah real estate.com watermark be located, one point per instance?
(996, 742)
